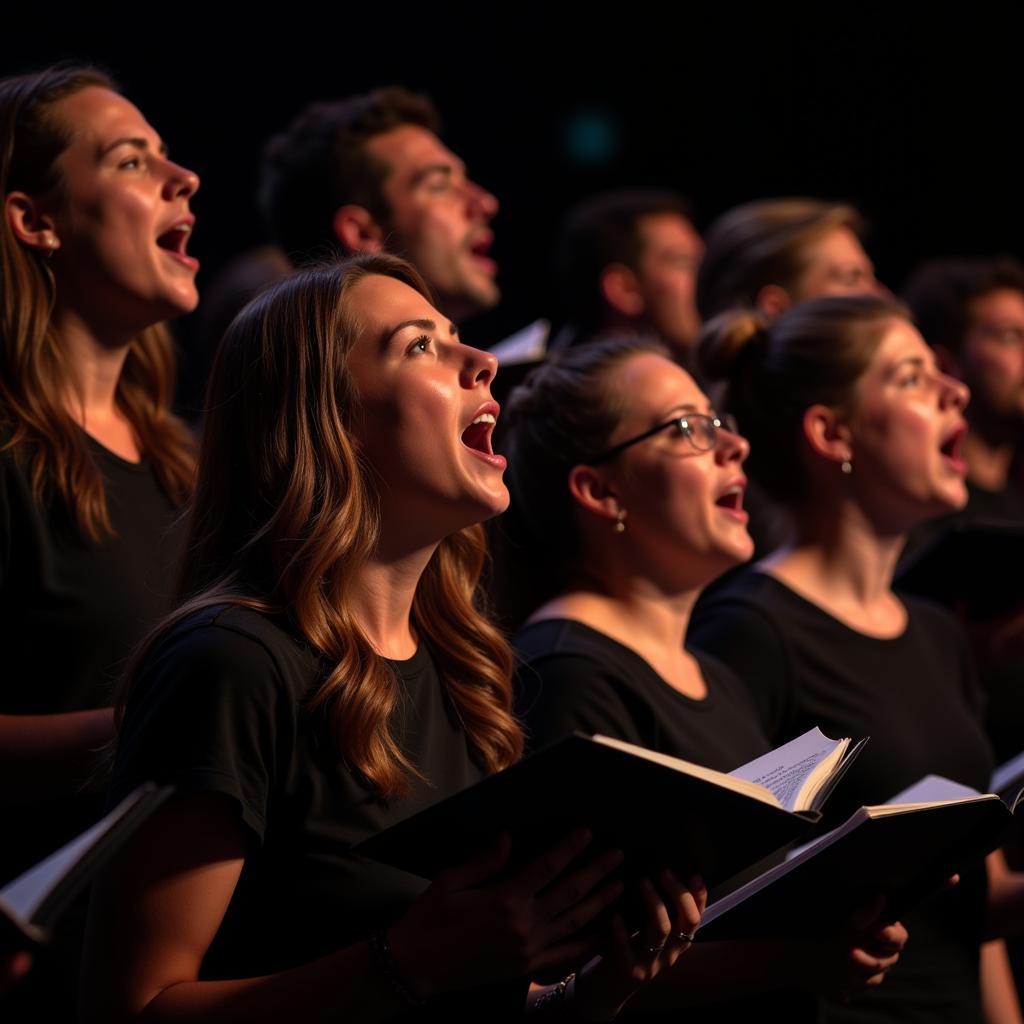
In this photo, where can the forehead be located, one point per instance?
(1004, 304)
(668, 230)
(654, 387)
(840, 245)
(380, 303)
(96, 115)
(408, 150)
(900, 341)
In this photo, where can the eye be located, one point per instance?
(130, 163)
(421, 346)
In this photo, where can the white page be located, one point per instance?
(784, 770)
(933, 789)
(1006, 773)
(27, 891)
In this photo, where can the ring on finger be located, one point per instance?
(685, 936)
(654, 949)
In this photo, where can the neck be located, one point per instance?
(988, 461)
(633, 609)
(95, 367)
(382, 599)
(842, 554)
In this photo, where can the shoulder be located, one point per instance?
(224, 631)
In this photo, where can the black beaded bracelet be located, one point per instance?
(383, 962)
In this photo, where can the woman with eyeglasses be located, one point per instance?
(627, 499)
(859, 436)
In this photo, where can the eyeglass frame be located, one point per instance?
(725, 422)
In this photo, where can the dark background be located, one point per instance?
(912, 114)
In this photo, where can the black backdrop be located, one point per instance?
(912, 114)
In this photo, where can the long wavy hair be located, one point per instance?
(285, 515)
(35, 373)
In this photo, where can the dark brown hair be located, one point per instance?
(763, 243)
(34, 371)
(940, 294)
(320, 163)
(598, 232)
(814, 353)
(564, 414)
(285, 515)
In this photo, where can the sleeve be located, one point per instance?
(562, 693)
(209, 713)
(752, 644)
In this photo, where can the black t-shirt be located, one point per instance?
(916, 697)
(1003, 684)
(572, 677)
(72, 611)
(220, 707)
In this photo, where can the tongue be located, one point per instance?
(476, 436)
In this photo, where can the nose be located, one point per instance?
(181, 182)
(478, 367)
(481, 202)
(731, 447)
(953, 393)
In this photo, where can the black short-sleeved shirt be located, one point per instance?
(72, 611)
(916, 697)
(572, 677)
(220, 707)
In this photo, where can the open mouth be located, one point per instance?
(480, 251)
(477, 435)
(175, 241)
(731, 499)
(952, 447)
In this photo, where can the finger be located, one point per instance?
(622, 948)
(570, 890)
(867, 964)
(686, 906)
(657, 927)
(581, 914)
(546, 868)
(700, 892)
(479, 869)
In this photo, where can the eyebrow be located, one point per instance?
(421, 324)
(131, 140)
(425, 172)
(681, 410)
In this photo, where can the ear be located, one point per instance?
(621, 290)
(356, 229)
(772, 300)
(948, 362)
(591, 490)
(29, 224)
(827, 434)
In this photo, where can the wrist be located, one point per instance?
(396, 964)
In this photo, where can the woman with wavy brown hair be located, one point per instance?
(93, 465)
(329, 673)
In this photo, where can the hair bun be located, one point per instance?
(725, 339)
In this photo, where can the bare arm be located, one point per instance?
(998, 992)
(1005, 898)
(156, 910)
(50, 755)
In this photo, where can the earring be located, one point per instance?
(846, 466)
(51, 245)
(620, 521)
